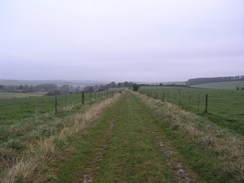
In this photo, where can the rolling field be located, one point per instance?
(125, 138)
(20, 108)
(221, 85)
(225, 107)
(7, 95)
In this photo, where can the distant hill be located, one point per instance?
(57, 82)
(197, 81)
(221, 85)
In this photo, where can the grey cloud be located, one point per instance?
(121, 40)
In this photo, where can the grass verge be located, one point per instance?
(216, 154)
(32, 165)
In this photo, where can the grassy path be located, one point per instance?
(125, 145)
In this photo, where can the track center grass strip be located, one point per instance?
(124, 146)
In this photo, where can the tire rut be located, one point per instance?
(98, 155)
(179, 168)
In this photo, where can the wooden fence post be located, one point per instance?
(189, 102)
(179, 102)
(83, 97)
(198, 101)
(66, 100)
(206, 104)
(56, 104)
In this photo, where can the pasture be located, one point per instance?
(20, 108)
(225, 107)
(7, 95)
(231, 85)
(120, 137)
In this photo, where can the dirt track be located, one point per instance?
(131, 148)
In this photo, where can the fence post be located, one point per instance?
(56, 104)
(206, 104)
(198, 102)
(179, 102)
(189, 98)
(83, 97)
(90, 96)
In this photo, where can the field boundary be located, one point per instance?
(32, 163)
(224, 149)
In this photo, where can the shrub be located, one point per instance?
(135, 87)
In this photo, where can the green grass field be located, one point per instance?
(7, 95)
(21, 108)
(221, 85)
(225, 107)
(127, 137)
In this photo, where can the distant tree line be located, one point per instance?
(53, 89)
(126, 84)
(166, 85)
(196, 81)
(96, 88)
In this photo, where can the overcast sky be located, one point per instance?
(121, 40)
